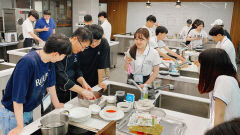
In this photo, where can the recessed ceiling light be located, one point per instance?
(148, 4)
(178, 4)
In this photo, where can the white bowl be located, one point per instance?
(79, 114)
(124, 106)
(111, 99)
(95, 109)
(110, 111)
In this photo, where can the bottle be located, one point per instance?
(145, 92)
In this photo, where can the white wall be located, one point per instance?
(83, 7)
(175, 18)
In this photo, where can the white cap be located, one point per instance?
(217, 22)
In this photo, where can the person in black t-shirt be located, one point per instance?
(96, 58)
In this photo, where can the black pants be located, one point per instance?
(28, 42)
(65, 96)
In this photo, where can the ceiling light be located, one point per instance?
(148, 4)
(178, 4)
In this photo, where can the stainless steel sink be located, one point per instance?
(17, 54)
(187, 106)
(184, 73)
(112, 88)
(184, 88)
(189, 74)
(27, 50)
(4, 67)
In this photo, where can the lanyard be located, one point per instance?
(143, 61)
(43, 74)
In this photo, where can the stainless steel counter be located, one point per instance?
(195, 125)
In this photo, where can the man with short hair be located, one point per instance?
(45, 26)
(87, 20)
(184, 32)
(33, 74)
(218, 35)
(95, 59)
(219, 22)
(157, 43)
(150, 23)
(107, 27)
(27, 28)
(70, 81)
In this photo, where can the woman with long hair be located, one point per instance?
(219, 78)
(141, 60)
(197, 36)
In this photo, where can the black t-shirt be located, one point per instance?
(93, 59)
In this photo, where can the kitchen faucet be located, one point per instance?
(131, 81)
(170, 86)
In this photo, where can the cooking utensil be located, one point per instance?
(55, 124)
(85, 103)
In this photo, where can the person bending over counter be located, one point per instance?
(95, 59)
(157, 43)
(142, 59)
(68, 74)
(218, 35)
(32, 76)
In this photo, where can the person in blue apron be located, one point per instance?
(142, 61)
(33, 74)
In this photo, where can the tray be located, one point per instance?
(170, 125)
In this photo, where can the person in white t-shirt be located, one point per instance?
(27, 28)
(107, 27)
(157, 43)
(197, 36)
(218, 34)
(151, 21)
(184, 32)
(219, 78)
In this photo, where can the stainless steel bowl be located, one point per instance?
(85, 103)
(54, 124)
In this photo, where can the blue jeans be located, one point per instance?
(8, 120)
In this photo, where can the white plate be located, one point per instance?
(120, 115)
(164, 72)
(175, 74)
(79, 114)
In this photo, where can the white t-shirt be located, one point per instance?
(227, 45)
(27, 27)
(151, 31)
(184, 32)
(107, 29)
(193, 33)
(156, 44)
(145, 62)
(226, 89)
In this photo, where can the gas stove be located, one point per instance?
(72, 130)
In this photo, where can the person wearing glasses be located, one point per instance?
(142, 60)
(69, 77)
(95, 59)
